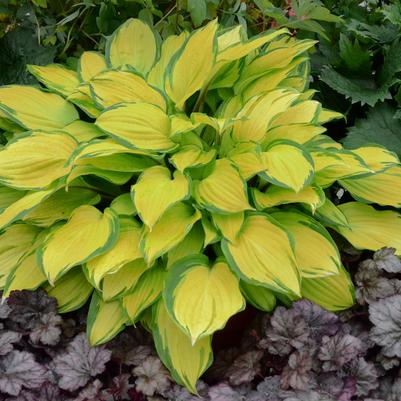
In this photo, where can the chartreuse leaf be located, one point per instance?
(81, 97)
(212, 291)
(34, 161)
(133, 44)
(71, 291)
(34, 109)
(15, 242)
(26, 275)
(191, 66)
(299, 133)
(83, 131)
(382, 188)
(263, 255)
(123, 205)
(156, 191)
(8, 196)
(192, 156)
(274, 196)
(192, 244)
(147, 290)
(185, 361)
(333, 293)
(112, 87)
(125, 250)
(60, 205)
(116, 177)
(87, 234)
(302, 113)
(229, 224)
(56, 78)
(138, 125)
(23, 206)
(330, 214)
(369, 228)
(105, 320)
(260, 297)
(169, 47)
(121, 282)
(169, 231)
(210, 230)
(288, 165)
(376, 157)
(315, 251)
(223, 189)
(91, 64)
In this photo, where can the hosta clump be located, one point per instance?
(194, 177)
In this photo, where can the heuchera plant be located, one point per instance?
(194, 177)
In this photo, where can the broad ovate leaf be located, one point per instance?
(369, 228)
(212, 291)
(263, 255)
(191, 66)
(34, 161)
(192, 156)
(156, 191)
(329, 214)
(260, 297)
(132, 44)
(138, 125)
(169, 231)
(90, 64)
(83, 131)
(105, 320)
(315, 251)
(34, 109)
(223, 189)
(229, 224)
(185, 361)
(87, 234)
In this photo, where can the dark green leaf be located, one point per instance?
(355, 58)
(198, 11)
(391, 64)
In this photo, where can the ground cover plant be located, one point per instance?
(195, 177)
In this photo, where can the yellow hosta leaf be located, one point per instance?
(35, 109)
(212, 292)
(71, 291)
(223, 189)
(330, 214)
(87, 234)
(369, 228)
(156, 191)
(91, 64)
(23, 206)
(34, 161)
(249, 162)
(117, 284)
(56, 77)
(192, 244)
(105, 320)
(304, 112)
(169, 47)
(138, 125)
(299, 133)
(211, 233)
(60, 205)
(145, 293)
(274, 196)
(327, 115)
(125, 250)
(192, 65)
(123, 205)
(229, 224)
(260, 297)
(15, 242)
(112, 87)
(169, 231)
(315, 251)
(382, 188)
(230, 36)
(263, 255)
(116, 177)
(25, 276)
(377, 158)
(192, 156)
(334, 293)
(185, 361)
(288, 165)
(83, 131)
(134, 44)
(81, 98)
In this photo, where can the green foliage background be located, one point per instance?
(356, 67)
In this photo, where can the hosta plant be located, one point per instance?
(172, 181)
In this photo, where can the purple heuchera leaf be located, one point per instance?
(18, 369)
(245, 368)
(47, 330)
(365, 375)
(223, 392)
(385, 314)
(47, 392)
(4, 310)
(336, 351)
(386, 259)
(297, 373)
(138, 354)
(7, 338)
(79, 363)
(288, 330)
(92, 392)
